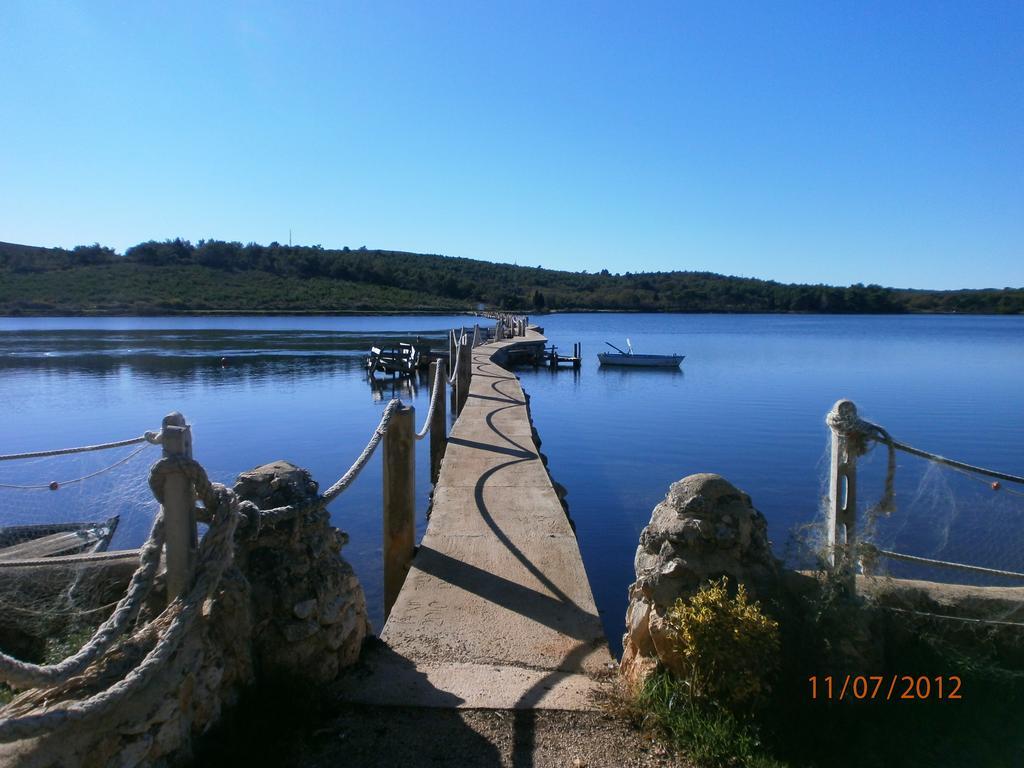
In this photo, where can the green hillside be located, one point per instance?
(214, 276)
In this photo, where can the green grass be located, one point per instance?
(709, 735)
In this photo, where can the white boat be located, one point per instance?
(630, 358)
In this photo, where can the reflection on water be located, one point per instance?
(386, 388)
(749, 404)
(623, 372)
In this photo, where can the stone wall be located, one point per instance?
(289, 606)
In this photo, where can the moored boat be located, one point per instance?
(632, 359)
(23, 542)
(402, 359)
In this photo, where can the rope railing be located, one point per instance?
(509, 325)
(459, 343)
(952, 463)
(53, 485)
(947, 617)
(435, 396)
(148, 437)
(850, 437)
(357, 466)
(946, 564)
(226, 513)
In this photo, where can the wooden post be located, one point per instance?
(464, 374)
(452, 350)
(181, 539)
(842, 493)
(399, 501)
(438, 436)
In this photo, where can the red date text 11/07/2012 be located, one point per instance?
(884, 687)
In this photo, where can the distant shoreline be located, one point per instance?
(466, 313)
(214, 278)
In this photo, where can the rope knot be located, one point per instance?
(193, 472)
(843, 419)
(251, 516)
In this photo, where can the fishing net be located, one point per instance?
(56, 511)
(938, 551)
(948, 548)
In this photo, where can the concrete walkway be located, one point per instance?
(496, 612)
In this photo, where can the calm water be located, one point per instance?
(748, 404)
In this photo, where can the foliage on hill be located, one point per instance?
(211, 275)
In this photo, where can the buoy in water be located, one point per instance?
(996, 485)
(54, 485)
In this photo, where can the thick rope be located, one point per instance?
(967, 619)
(148, 437)
(216, 551)
(62, 483)
(434, 396)
(455, 365)
(280, 514)
(956, 464)
(357, 466)
(947, 564)
(20, 674)
(252, 517)
(852, 426)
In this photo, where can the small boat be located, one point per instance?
(28, 542)
(630, 358)
(402, 359)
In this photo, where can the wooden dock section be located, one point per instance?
(496, 611)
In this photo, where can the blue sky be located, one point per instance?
(833, 142)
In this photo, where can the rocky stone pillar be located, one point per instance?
(704, 529)
(308, 608)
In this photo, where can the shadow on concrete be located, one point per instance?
(490, 448)
(559, 614)
(497, 399)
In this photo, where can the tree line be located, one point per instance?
(178, 275)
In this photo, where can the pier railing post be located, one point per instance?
(464, 374)
(180, 536)
(842, 493)
(399, 501)
(452, 352)
(438, 436)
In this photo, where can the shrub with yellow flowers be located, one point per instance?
(726, 648)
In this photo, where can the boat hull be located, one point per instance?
(640, 361)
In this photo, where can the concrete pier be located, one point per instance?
(496, 611)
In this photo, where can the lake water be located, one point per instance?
(749, 404)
